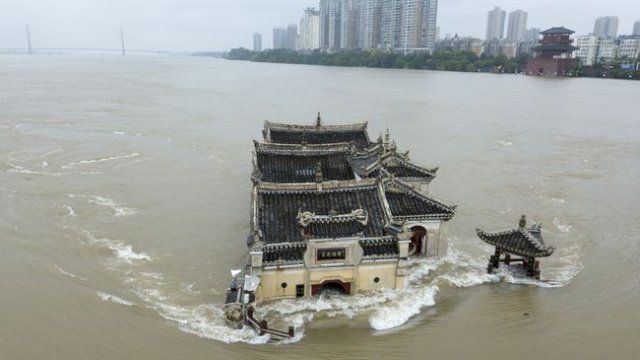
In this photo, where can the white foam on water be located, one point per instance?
(217, 158)
(114, 299)
(505, 143)
(203, 320)
(94, 161)
(118, 209)
(469, 279)
(558, 200)
(122, 251)
(17, 169)
(44, 163)
(407, 304)
(69, 274)
(70, 211)
(118, 133)
(382, 309)
(561, 226)
(126, 253)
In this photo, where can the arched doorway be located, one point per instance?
(418, 240)
(331, 287)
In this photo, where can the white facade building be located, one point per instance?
(595, 49)
(607, 50)
(309, 30)
(629, 47)
(588, 49)
(517, 28)
(495, 24)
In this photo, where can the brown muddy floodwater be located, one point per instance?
(124, 202)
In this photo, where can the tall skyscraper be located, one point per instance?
(292, 36)
(636, 28)
(390, 18)
(279, 38)
(606, 26)
(430, 16)
(412, 30)
(517, 28)
(309, 30)
(495, 24)
(257, 42)
(329, 24)
(349, 22)
(369, 36)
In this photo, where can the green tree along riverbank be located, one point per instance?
(440, 60)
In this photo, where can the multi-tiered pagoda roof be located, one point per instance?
(331, 182)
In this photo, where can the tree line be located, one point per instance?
(447, 60)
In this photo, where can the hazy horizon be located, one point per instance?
(214, 25)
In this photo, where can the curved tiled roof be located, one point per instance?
(408, 204)
(379, 248)
(557, 30)
(283, 253)
(278, 208)
(316, 134)
(519, 241)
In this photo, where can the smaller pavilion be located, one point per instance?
(522, 241)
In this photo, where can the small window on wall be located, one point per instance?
(299, 290)
(331, 254)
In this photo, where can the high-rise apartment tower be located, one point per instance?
(257, 42)
(495, 24)
(517, 28)
(606, 26)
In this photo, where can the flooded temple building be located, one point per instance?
(334, 211)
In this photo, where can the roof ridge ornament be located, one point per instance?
(306, 218)
(387, 140)
(523, 222)
(318, 121)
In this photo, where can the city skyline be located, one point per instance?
(188, 25)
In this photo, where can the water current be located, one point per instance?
(125, 192)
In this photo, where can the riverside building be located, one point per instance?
(334, 211)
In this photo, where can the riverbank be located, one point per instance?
(461, 61)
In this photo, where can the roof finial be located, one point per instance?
(387, 140)
(318, 121)
(523, 222)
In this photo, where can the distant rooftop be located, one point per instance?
(557, 31)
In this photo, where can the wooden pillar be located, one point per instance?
(494, 261)
(507, 259)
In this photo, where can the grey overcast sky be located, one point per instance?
(224, 24)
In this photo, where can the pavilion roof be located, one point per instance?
(519, 241)
(557, 30)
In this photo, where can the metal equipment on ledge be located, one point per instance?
(239, 306)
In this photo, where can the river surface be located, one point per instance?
(125, 192)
